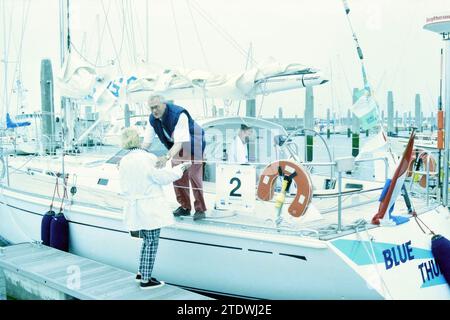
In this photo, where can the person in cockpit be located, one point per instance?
(238, 151)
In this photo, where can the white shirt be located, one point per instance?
(238, 152)
(145, 206)
(180, 133)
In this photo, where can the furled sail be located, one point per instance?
(81, 81)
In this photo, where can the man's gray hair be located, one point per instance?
(130, 138)
(158, 97)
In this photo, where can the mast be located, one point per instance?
(446, 37)
(5, 62)
(64, 45)
(5, 90)
(64, 34)
(440, 130)
(146, 32)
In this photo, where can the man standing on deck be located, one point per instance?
(238, 152)
(185, 140)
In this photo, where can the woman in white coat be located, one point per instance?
(145, 209)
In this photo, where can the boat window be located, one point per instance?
(141, 123)
(261, 148)
(354, 186)
(117, 157)
(102, 182)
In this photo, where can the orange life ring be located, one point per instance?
(425, 160)
(301, 177)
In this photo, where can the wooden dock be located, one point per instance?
(47, 273)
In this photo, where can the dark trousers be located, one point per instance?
(194, 175)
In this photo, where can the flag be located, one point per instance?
(393, 187)
(365, 109)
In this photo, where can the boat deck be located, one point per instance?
(320, 221)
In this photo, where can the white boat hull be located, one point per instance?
(242, 264)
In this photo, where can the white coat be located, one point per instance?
(145, 206)
(238, 153)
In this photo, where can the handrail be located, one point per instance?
(427, 177)
(321, 138)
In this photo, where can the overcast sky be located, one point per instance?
(400, 56)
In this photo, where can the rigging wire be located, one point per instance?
(205, 60)
(249, 56)
(136, 18)
(126, 28)
(102, 35)
(74, 47)
(345, 75)
(112, 39)
(178, 33)
(133, 39)
(100, 42)
(401, 57)
(18, 70)
(120, 17)
(220, 29)
(7, 44)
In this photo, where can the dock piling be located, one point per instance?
(309, 123)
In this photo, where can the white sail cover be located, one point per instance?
(81, 81)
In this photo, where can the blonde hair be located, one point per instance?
(130, 139)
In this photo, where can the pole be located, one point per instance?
(63, 46)
(447, 118)
(47, 107)
(355, 127)
(339, 201)
(396, 122)
(440, 109)
(418, 123)
(5, 90)
(5, 62)
(349, 130)
(390, 113)
(309, 123)
(328, 123)
(146, 32)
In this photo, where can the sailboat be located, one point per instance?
(260, 248)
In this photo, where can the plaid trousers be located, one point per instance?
(148, 252)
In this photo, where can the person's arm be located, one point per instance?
(180, 136)
(149, 135)
(168, 175)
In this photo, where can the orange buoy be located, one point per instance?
(299, 175)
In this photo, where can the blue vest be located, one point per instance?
(165, 126)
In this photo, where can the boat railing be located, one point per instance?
(335, 168)
(429, 156)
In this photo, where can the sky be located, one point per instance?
(215, 35)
